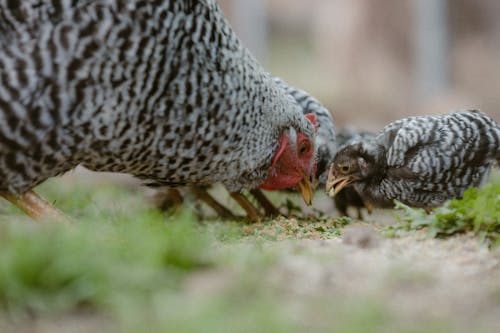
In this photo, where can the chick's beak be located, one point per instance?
(335, 184)
(305, 188)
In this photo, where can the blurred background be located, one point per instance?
(372, 62)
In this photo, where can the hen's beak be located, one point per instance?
(335, 184)
(305, 188)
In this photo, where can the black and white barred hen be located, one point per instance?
(166, 199)
(420, 161)
(162, 90)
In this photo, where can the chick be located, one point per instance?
(349, 197)
(419, 161)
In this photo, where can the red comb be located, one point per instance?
(312, 118)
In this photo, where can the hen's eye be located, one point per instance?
(345, 168)
(304, 147)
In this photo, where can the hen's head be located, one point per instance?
(293, 163)
(352, 163)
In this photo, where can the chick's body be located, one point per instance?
(421, 161)
(162, 90)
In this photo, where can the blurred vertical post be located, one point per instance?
(250, 23)
(431, 47)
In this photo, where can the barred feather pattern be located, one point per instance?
(424, 161)
(163, 90)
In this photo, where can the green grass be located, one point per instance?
(46, 268)
(477, 212)
(123, 261)
(139, 270)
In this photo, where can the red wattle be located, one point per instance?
(281, 148)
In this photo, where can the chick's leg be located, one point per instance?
(35, 206)
(252, 212)
(268, 206)
(360, 214)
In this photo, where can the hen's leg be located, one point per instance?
(369, 207)
(166, 200)
(203, 195)
(35, 206)
(268, 206)
(252, 212)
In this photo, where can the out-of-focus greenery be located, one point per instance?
(54, 267)
(135, 269)
(478, 212)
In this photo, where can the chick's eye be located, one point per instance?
(304, 147)
(345, 168)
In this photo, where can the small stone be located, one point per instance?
(361, 236)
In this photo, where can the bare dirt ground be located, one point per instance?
(451, 282)
(418, 282)
(454, 280)
(415, 281)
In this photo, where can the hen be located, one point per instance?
(420, 161)
(166, 199)
(162, 90)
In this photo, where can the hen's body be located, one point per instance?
(162, 90)
(325, 142)
(423, 161)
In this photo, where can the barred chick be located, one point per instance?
(349, 197)
(420, 161)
